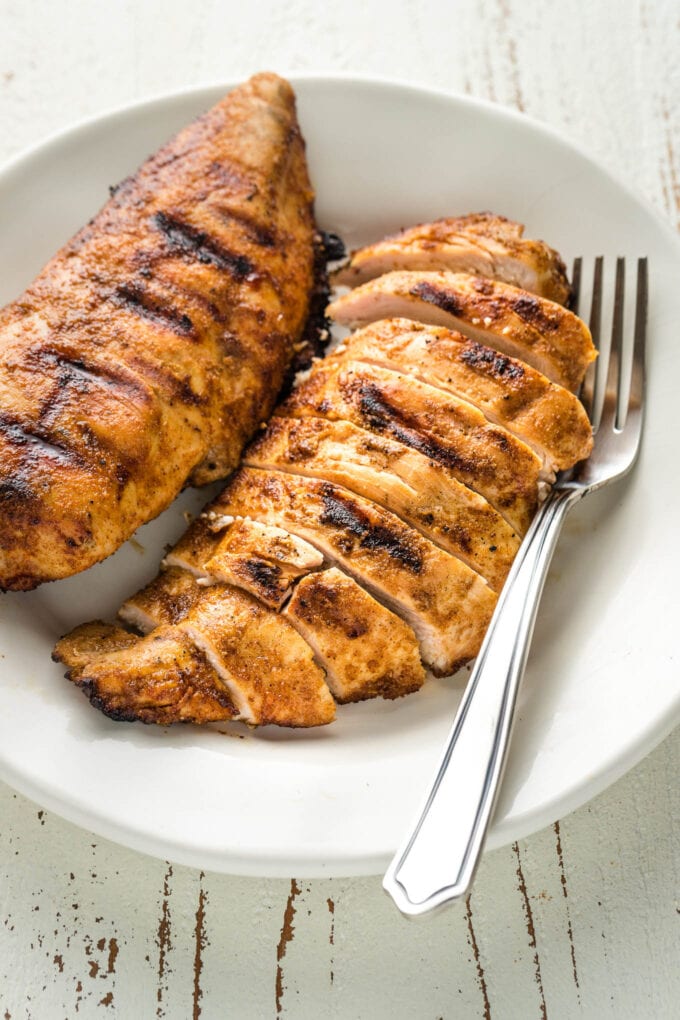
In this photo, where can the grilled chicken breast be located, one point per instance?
(483, 244)
(510, 393)
(487, 459)
(149, 349)
(416, 488)
(375, 519)
(540, 332)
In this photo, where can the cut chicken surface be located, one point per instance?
(366, 650)
(89, 641)
(446, 603)
(167, 599)
(485, 457)
(150, 348)
(262, 560)
(540, 332)
(413, 486)
(482, 243)
(162, 678)
(548, 417)
(266, 666)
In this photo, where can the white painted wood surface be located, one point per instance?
(580, 920)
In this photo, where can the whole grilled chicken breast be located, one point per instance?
(148, 350)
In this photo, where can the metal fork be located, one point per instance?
(437, 862)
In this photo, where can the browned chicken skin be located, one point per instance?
(148, 350)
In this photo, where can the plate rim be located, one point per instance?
(315, 861)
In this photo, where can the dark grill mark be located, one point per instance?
(345, 514)
(432, 295)
(135, 298)
(36, 442)
(382, 417)
(74, 373)
(258, 232)
(266, 576)
(531, 311)
(491, 362)
(189, 241)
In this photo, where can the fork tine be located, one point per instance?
(637, 379)
(612, 410)
(576, 284)
(592, 384)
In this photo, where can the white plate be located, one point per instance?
(601, 688)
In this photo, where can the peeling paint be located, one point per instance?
(200, 943)
(481, 977)
(563, 880)
(164, 942)
(531, 931)
(287, 935)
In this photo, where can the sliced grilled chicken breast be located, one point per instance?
(549, 418)
(447, 604)
(488, 459)
(162, 678)
(416, 488)
(262, 560)
(149, 349)
(366, 650)
(540, 332)
(482, 243)
(221, 656)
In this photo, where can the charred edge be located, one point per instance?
(35, 441)
(382, 417)
(189, 241)
(433, 295)
(483, 358)
(136, 299)
(344, 513)
(316, 331)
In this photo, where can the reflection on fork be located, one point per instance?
(437, 862)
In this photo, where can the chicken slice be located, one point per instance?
(167, 599)
(162, 678)
(549, 418)
(89, 641)
(482, 243)
(544, 334)
(262, 560)
(411, 485)
(485, 457)
(266, 666)
(447, 604)
(367, 651)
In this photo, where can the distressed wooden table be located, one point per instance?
(580, 920)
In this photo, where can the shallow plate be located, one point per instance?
(601, 688)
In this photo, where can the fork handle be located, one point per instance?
(437, 862)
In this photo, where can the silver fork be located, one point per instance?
(437, 862)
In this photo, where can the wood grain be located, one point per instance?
(582, 919)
